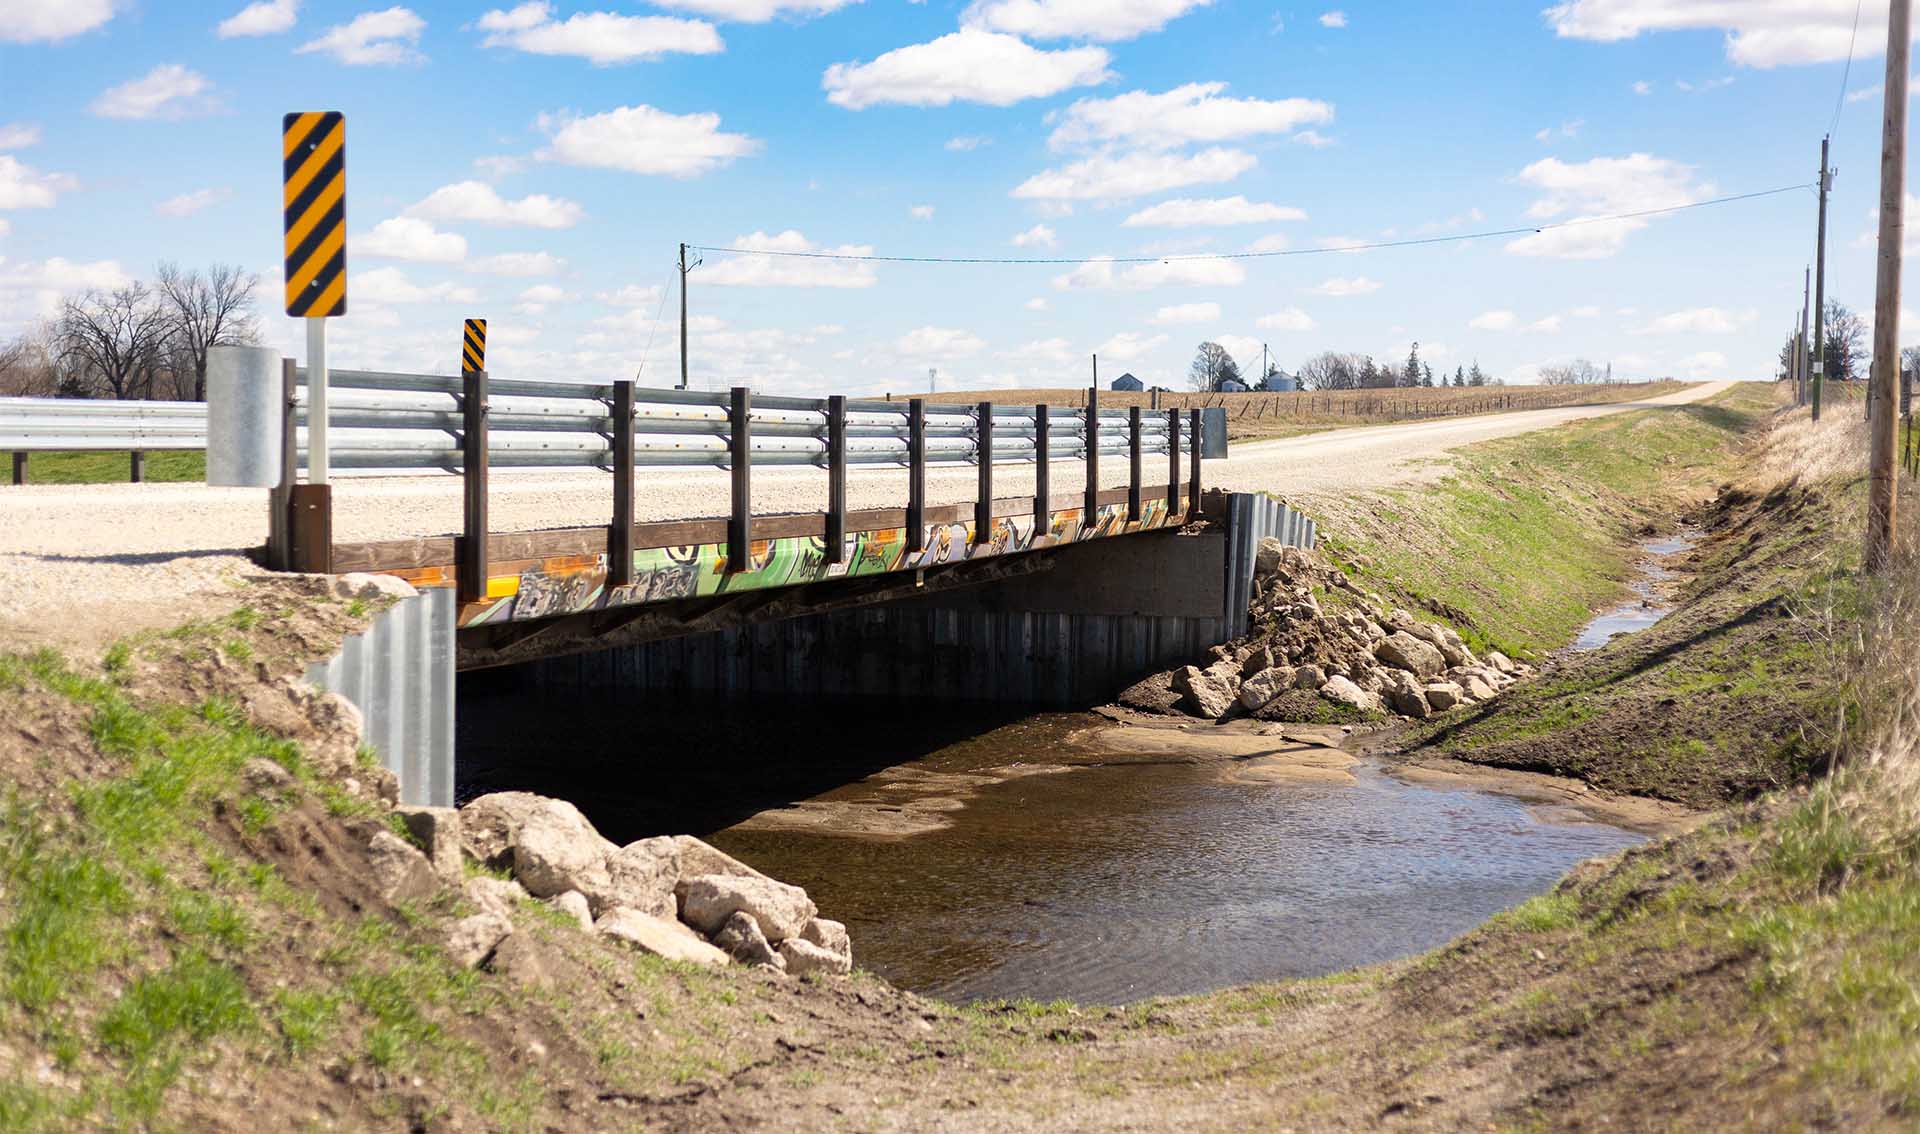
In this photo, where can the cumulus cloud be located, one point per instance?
(601, 38)
(1705, 364)
(1105, 177)
(1037, 303)
(1101, 273)
(1494, 321)
(478, 202)
(1334, 19)
(18, 135)
(268, 17)
(939, 342)
(632, 295)
(921, 212)
(168, 91)
(1187, 212)
(391, 285)
(969, 65)
(187, 204)
(409, 238)
(1759, 33)
(1104, 20)
(789, 271)
(24, 187)
(1275, 242)
(756, 11)
(1183, 313)
(49, 21)
(1039, 235)
(1578, 192)
(1286, 319)
(32, 289)
(1194, 112)
(385, 38)
(519, 264)
(536, 299)
(967, 143)
(1129, 345)
(1697, 321)
(1340, 286)
(642, 139)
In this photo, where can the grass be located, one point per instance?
(110, 468)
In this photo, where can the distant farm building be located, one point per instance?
(1128, 383)
(1280, 382)
(1231, 386)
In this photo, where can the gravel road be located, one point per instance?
(152, 554)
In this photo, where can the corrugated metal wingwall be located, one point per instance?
(400, 674)
(1251, 518)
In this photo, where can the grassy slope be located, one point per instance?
(107, 468)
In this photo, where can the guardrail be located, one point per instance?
(42, 425)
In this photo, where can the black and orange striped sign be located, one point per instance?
(313, 151)
(473, 346)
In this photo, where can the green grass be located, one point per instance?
(108, 468)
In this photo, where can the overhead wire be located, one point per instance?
(1846, 72)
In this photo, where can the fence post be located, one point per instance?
(916, 474)
(620, 538)
(1133, 462)
(137, 468)
(472, 575)
(836, 548)
(19, 466)
(1042, 472)
(983, 502)
(740, 524)
(1092, 432)
(1173, 472)
(1194, 445)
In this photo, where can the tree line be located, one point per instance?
(141, 341)
(1847, 352)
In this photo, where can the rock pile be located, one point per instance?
(672, 896)
(1389, 663)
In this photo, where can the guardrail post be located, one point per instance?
(472, 577)
(1042, 472)
(983, 502)
(137, 468)
(740, 525)
(280, 498)
(1194, 446)
(620, 538)
(916, 474)
(1173, 458)
(836, 540)
(1133, 464)
(1092, 431)
(19, 467)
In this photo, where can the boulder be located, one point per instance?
(1203, 693)
(641, 876)
(488, 825)
(780, 910)
(556, 850)
(1444, 695)
(1343, 692)
(1404, 651)
(1268, 556)
(471, 940)
(1454, 648)
(520, 959)
(696, 858)
(398, 869)
(494, 895)
(1408, 700)
(366, 585)
(829, 935)
(1255, 661)
(437, 830)
(265, 776)
(805, 957)
(659, 936)
(575, 905)
(1309, 677)
(1264, 686)
(1476, 689)
(1500, 661)
(743, 941)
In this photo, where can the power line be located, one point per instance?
(653, 330)
(1525, 230)
(1846, 72)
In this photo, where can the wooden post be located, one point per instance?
(1042, 472)
(1193, 475)
(472, 573)
(19, 466)
(137, 468)
(620, 538)
(1173, 462)
(1883, 488)
(916, 474)
(983, 497)
(1820, 286)
(1133, 464)
(1092, 506)
(740, 524)
(836, 538)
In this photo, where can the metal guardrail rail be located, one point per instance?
(44, 425)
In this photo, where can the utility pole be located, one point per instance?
(1820, 284)
(1801, 356)
(1883, 403)
(683, 315)
(933, 379)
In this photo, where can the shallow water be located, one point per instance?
(1105, 882)
(1651, 601)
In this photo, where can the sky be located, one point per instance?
(537, 164)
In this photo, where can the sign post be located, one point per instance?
(313, 152)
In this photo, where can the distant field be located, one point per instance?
(104, 468)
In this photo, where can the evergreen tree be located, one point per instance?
(1426, 374)
(1476, 377)
(1459, 377)
(1411, 375)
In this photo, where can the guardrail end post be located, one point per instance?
(620, 535)
(836, 530)
(471, 576)
(740, 525)
(137, 467)
(1042, 471)
(916, 475)
(19, 466)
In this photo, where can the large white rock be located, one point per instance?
(696, 858)
(642, 876)
(1263, 687)
(1476, 688)
(488, 824)
(438, 830)
(742, 940)
(1500, 661)
(1404, 651)
(805, 957)
(494, 895)
(1443, 695)
(659, 936)
(1206, 692)
(829, 935)
(1309, 677)
(1343, 692)
(367, 585)
(780, 910)
(556, 850)
(471, 940)
(575, 905)
(398, 869)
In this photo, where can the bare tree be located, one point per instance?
(209, 309)
(112, 340)
(1212, 365)
(1330, 371)
(1846, 342)
(1579, 372)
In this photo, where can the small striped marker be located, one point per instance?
(473, 346)
(313, 152)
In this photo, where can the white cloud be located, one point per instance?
(1493, 321)
(1181, 313)
(268, 17)
(1547, 325)
(969, 65)
(1187, 212)
(1104, 20)
(519, 264)
(1037, 303)
(939, 342)
(1587, 312)
(1564, 130)
(1276, 242)
(1340, 286)
(18, 135)
(49, 21)
(500, 165)
(1333, 19)
(788, 271)
(167, 91)
(390, 285)
(478, 202)
(409, 238)
(386, 37)
(1057, 351)
(1195, 112)
(1697, 321)
(642, 139)
(1312, 138)
(602, 38)
(921, 212)
(632, 295)
(24, 187)
(1865, 93)
(536, 299)
(1642, 87)
(1244, 350)
(1106, 178)
(967, 143)
(187, 204)
(1129, 345)
(1705, 364)
(1099, 274)
(1580, 191)
(31, 290)
(1286, 319)
(756, 11)
(1759, 33)
(1039, 235)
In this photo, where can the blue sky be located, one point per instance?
(536, 164)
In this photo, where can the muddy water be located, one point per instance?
(1652, 595)
(1052, 855)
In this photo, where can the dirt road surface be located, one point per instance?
(83, 564)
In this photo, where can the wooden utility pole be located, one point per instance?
(1801, 356)
(683, 315)
(1820, 284)
(1884, 396)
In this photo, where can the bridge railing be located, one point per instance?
(49, 425)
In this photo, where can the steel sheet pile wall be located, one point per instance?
(1252, 517)
(400, 675)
